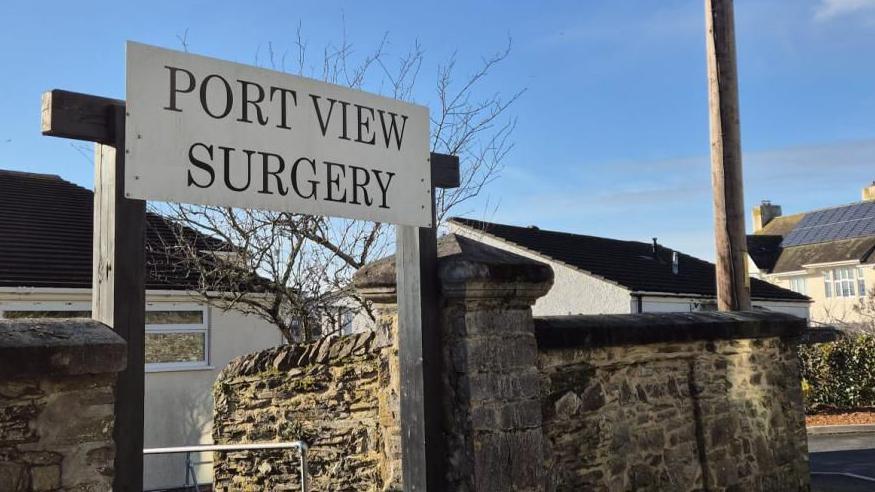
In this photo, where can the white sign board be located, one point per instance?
(206, 131)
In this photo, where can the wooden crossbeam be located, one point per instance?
(78, 116)
(445, 171)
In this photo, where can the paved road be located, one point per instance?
(838, 454)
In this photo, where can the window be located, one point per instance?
(827, 284)
(797, 284)
(177, 336)
(844, 282)
(25, 314)
(346, 318)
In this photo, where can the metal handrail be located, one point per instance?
(200, 448)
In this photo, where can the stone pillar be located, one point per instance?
(492, 414)
(57, 382)
(376, 283)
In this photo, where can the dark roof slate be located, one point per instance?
(781, 226)
(630, 264)
(46, 227)
(794, 258)
(764, 250)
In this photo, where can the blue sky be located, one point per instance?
(612, 133)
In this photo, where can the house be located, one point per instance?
(45, 271)
(596, 275)
(826, 254)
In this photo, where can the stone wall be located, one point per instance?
(687, 401)
(57, 379)
(338, 395)
(673, 402)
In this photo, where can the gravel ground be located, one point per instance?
(838, 417)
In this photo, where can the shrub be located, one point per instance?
(839, 374)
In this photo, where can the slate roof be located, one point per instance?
(46, 227)
(631, 264)
(781, 226)
(771, 256)
(763, 249)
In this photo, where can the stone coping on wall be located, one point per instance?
(328, 350)
(53, 347)
(602, 330)
(461, 262)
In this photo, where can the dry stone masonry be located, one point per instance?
(704, 401)
(57, 379)
(334, 394)
(684, 401)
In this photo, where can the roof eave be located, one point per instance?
(543, 256)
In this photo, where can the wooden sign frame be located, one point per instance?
(118, 294)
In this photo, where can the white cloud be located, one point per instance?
(829, 9)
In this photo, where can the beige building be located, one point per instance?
(826, 254)
(45, 271)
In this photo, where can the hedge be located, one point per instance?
(839, 374)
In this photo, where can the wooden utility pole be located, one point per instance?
(733, 285)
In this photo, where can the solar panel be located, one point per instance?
(847, 222)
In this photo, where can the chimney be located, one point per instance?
(869, 193)
(655, 250)
(675, 262)
(764, 213)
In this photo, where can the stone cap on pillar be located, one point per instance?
(56, 347)
(468, 269)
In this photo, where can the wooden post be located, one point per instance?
(416, 316)
(423, 445)
(119, 264)
(733, 284)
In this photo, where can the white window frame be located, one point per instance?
(797, 283)
(827, 284)
(43, 306)
(843, 282)
(181, 328)
(150, 306)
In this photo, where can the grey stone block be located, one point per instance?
(35, 347)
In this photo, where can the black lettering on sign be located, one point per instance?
(229, 96)
(201, 165)
(384, 187)
(171, 105)
(265, 167)
(393, 128)
(283, 104)
(312, 182)
(332, 179)
(344, 135)
(244, 109)
(365, 124)
(358, 184)
(323, 122)
(227, 152)
(343, 183)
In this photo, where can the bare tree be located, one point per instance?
(293, 270)
(865, 311)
